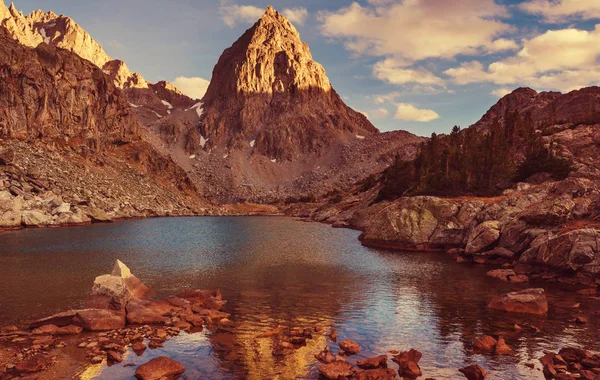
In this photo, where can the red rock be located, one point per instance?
(484, 344)
(408, 362)
(213, 314)
(143, 312)
(336, 369)
(57, 331)
(34, 364)
(113, 357)
(588, 375)
(271, 333)
(474, 372)
(161, 368)
(60, 320)
(194, 320)
(502, 348)
(529, 301)
(325, 356)
(139, 348)
(371, 363)
(350, 347)
(333, 335)
(100, 319)
(573, 354)
(376, 374)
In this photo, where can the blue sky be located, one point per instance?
(418, 65)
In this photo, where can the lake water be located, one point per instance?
(282, 271)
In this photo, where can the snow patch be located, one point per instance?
(133, 105)
(225, 155)
(252, 143)
(203, 141)
(46, 38)
(274, 160)
(192, 156)
(167, 104)
(360, 137)
(169, 112)
(157, 114)
(199, 111)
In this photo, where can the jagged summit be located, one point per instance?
(268, 89)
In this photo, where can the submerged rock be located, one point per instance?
(376, 374)
(474, 372)
(484, 344)
(371, 363)
(161, 368)
(529, 301)
(350, 347)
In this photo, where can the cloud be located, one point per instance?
(232, 14)
(386, 98)
(501, 92)
(503, 44)
(193, 87)
(296, 15)
(380, 113)
(558, 11)
(395, 71)
(562, 60)
(418, 29)
(407, 111)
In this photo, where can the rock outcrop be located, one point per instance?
(268, 96)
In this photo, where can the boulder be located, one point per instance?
(144, 312)
(161, 368)
(350, 347)
(7, 155)
(96, 215)
(63, 208)
(10, 210)
(502, 348)
(100, 319)
(408, 362)
(139, 348)
(474, 372)
(529, 301)
(136, 288)
(572, 251)
(333, 371)
(502, 274)
(35, 218)
(483, 236)
(371, 363)
(113, 287)
(484, 344)
(60, 320)
(552, 212)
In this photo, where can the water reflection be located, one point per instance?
(277, 271)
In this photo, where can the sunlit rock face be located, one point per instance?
(267, 89)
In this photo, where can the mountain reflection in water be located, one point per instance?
(279, 271)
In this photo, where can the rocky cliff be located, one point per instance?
(67, 133)
(268, 94)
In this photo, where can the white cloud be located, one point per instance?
(232, 14)
(380, 113)
(503, 44)
(555, 60)
(501, 92)
(418, 29)
(557, 11)
(386, 98)
(194, 87)
(407, 111)
(296, 15)
(394, 71)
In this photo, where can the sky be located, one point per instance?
(418, 65)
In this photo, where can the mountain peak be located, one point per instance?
(267, 88)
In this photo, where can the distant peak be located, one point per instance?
(271, 11)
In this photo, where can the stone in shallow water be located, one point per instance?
(376, 374)
(529, 301)
(371, 363)
(474, 372)
(350, 347)
(161, 368)
(484, 344)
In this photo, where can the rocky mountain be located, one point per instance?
(68, 135)
(570, 122)
(268, 93)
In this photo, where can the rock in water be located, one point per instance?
(350, 347)
(120, 286)
(474, 372)
(161, 368)
(529, 301)
(269, 96)
(133, 284)
(336, 369)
